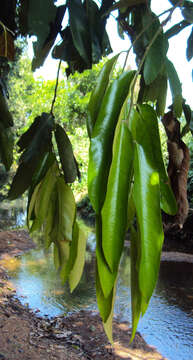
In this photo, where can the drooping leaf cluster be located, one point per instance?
(127, 179)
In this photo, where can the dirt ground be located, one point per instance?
(24, 335)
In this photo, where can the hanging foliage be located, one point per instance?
(128, 184)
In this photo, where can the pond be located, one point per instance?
(168, 322)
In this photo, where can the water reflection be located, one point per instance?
(12, 214)
(168, 323)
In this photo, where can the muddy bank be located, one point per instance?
(24, 335)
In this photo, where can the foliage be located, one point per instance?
(126, 172)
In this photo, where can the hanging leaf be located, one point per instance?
(99, 92)
(6, 146)
(106, 276)
(137, 301)
(43, 197)
(155, 59)
(114, 222)
(187, 12)
(66, 213)
(100, 153)
(5, 116)
(176, 88)
(144, 128)
(78, 265)
(67, 159)
(174, 30)
(42, 52)
(189, 50)
(35, 144)
(80, 29)
(147, 203)
(40, 23)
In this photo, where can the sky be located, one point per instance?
(176, 52)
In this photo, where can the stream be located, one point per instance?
(167, 324)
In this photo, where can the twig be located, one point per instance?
(56, 87)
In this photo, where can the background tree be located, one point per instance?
(127, 179)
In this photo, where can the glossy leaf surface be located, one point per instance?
(100, 153)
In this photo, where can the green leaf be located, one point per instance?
(187, 13)
(137, 301)
(98, 93)
(40, 23)
(78, 265)
(147, 203)
(105, 304)
(162, 95)
(66, 211)
(41, 52)
(144, 128)
(36, 143)
(114, 211)
(67, 159)
(5, 116)
(43, 196)
(107, 278)
(189, 50)
(155, 59)
(80, 29)
(38, 136)
(176, 88)
(100, 153)
(174, 30)
(6, 146)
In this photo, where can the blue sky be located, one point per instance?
(176, 52)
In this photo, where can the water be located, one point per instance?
(168, 323)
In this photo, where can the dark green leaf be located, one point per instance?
(80, 29)
(6, 146)
(187, 12)
(36, 144)
(176, 88)
(66, 51)
(5, 116)
(155, 59)
(174, 30)
(40, 22)
(42, 52)
(67, 159)
(189, 50)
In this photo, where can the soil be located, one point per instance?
(24, 335)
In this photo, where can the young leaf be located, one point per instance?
(66, 210)
(98, 93)
(100, 153)
(114, 211)
(105, 304)
(78, 265)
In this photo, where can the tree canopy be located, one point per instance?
(128, 184)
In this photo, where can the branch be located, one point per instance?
(56, 87)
